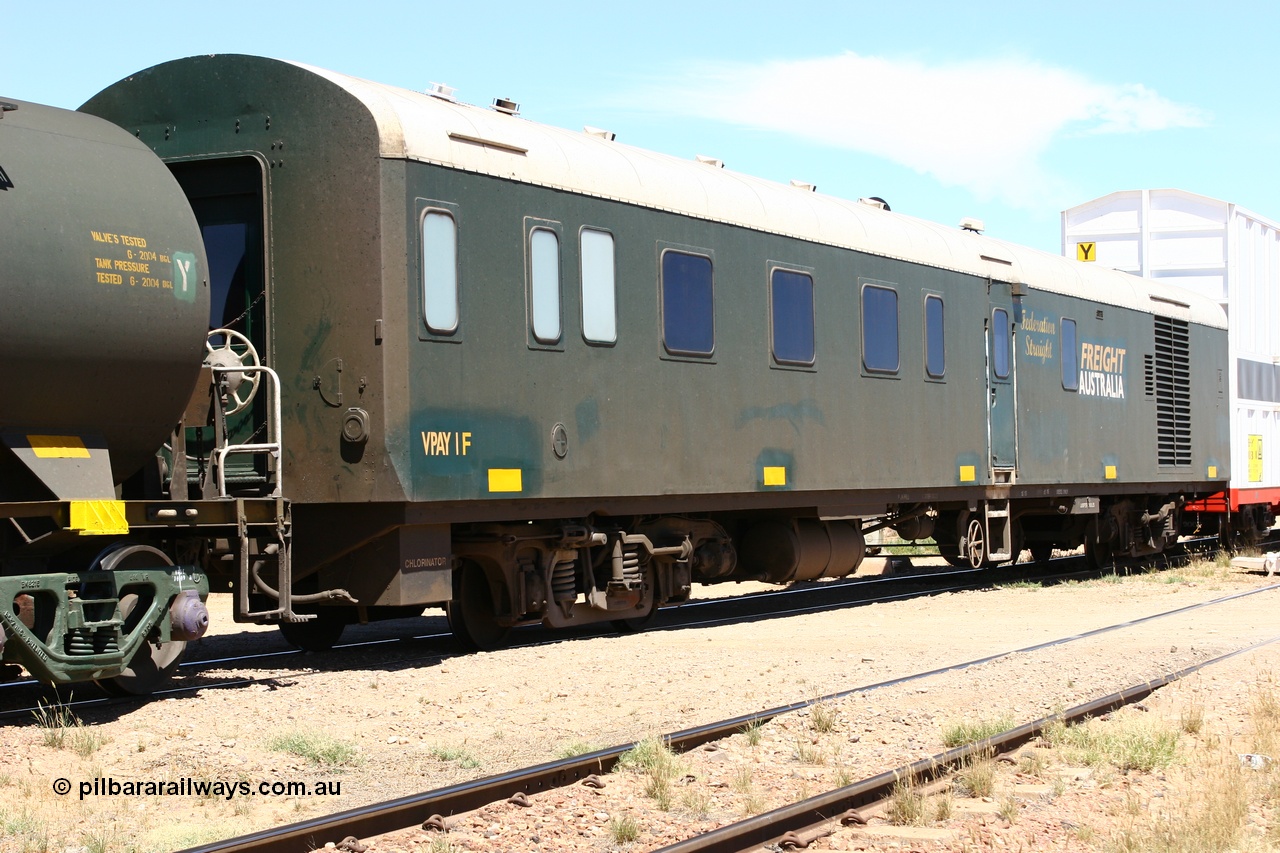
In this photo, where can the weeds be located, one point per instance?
(316, 747)
(1191, 719)
(696, 802)
(575, 749)
(624, 829)
(1127, 743)
(1009, 808)
(1031, 763)
(808, 752)
(943, 806)
(970, 732)
(822, 717)
(59, 728)
(978, 775)
(752, 732)
(54, 722)
(98, 841)
(441, 845)
(907, 805)
(27, 830)
(455, 753)
(652, 757)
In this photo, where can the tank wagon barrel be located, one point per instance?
(102, 338)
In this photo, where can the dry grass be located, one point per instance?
(61, 729)
(910, 806)
(822, 717)
(977, 778)
(969, 731)
(1222, 795)
(653, 759)
(1128, 741)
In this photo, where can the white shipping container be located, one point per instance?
(1227, 254)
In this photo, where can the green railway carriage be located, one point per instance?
(538, 375)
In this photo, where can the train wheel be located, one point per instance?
(975, 543)
(1099, 555)
(153, 663)
(315, 635)
(471, 614)
(946, 533)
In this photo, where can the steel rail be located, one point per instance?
(845, 594)
(840, 590)
(770, 827)
(398, 814)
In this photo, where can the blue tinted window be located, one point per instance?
(880, 329)
(688, 317)
(791, 295)
(1070, 364)
(1001, 342)
(935, 340)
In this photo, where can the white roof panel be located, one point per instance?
(422, 127)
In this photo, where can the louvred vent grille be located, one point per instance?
(1173, 391)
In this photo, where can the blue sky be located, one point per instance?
(1004, 111)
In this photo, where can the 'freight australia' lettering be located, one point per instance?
(1101, 370)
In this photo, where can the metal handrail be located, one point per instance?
(272, 446)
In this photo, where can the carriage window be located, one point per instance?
(544, 285)
(879, 329)
(1070, 356)
(791, 303)
(688, 317)
(1001, 342)
(440, 272)
(935, 349)
(599, 316)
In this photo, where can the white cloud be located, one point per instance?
(983, 125)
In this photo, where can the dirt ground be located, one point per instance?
(376, 733)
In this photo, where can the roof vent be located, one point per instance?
(505, 105)
(6, 107)
(969, 223)
(709, 161)
(805, 185)
(600, 132)
(874, 201)
(441, 91)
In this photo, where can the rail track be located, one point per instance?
(414, 810)
(23, 697)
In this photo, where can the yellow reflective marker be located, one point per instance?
(968, 473)
(1110, 472)
(98, 518)
(1087, 252)
(58, 447)
(1255, 459)
(505, 480)
(1213, 471)
(776, 476)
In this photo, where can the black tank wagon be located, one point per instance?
(537, 375)
(104, 299)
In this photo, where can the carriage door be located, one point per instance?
(1002, 389)
(226, 196)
